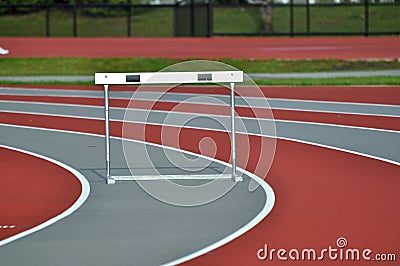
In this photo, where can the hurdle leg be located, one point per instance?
(110, 180)
(233, 134)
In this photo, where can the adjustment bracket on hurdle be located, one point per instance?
(200, 77)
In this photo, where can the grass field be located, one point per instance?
(144, 22)
(85, 66)
(350, 81)
(155, 21)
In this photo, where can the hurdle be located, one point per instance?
(107, 79)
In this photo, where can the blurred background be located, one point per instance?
(200, 18)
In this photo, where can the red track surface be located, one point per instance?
(371, 121)
(32, 191)
(344, 196)
(207, 48)
(356, 94)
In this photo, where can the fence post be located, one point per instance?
(74, 11)
(192, 29)
(176, 19)
(291, 19)
(128, 18)
(308, 17)
(366, 16)
(210, 21)
(47, 18)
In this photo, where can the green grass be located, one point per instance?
(298, 66)
(382, 80)
(87, 66)
(144, 22)
(328, 19)
(384, 18)
(350, 19)
(236, 19)
(78, 66)
(350, 81)
(24, 25)
(38, 83)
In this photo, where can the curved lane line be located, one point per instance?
(185, 113)
(211, 105)
(269, 193)
(119, 102)
(78, 203)
(259, 180)
(263, 213)
(151, 95)
(253, 222)
(338, 94)
(244, 107)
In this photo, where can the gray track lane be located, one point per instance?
(254, 76)
(120, 224)
(385, 144)
(285, 104)
(105, 205)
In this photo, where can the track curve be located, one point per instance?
(302, 188)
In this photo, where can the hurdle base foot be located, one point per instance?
(110, 181)
(237, 178)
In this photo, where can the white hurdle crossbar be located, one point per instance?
(107, 79)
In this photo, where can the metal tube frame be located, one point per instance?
(107, 135)
(111, 180)
(233, 134)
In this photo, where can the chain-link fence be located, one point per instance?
(308, 18)
(161, 18)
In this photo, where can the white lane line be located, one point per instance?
(56, 104)
(269, 193)
(28, 91)
(153, 95)
(123, 108)
(333, 102)
(342, 150)
(276, 103)
(78, 203)
(245, 229)
(270, 196)
(56, 115)
(332, 111)
(211, 116)
(277, 109)
(70, 94)
(266, 206)
(150, 95)
(7, 226)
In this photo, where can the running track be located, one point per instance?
(340, 196)
(207, 48)
(298, 203)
